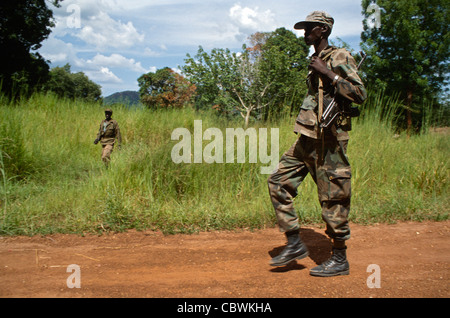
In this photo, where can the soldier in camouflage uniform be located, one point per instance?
(107, 134)
(319, 152)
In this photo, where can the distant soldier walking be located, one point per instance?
(107, 134)
(319, 151)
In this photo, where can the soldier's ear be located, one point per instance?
(326, 31)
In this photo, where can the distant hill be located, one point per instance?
(129, 98)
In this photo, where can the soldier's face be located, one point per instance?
(108, 115)
(313, 33)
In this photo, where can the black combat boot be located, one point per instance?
(295, 249)
(336, 265)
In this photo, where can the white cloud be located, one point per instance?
(152, 53)
(117, 61)
(247, 20)
(90, 21)
(104, 32)
(103, 75)
(59, 52)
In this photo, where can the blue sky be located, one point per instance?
(115, 41)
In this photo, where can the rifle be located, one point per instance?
(333, 109)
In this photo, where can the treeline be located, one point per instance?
(408, 50)
(265, 78)
(407, 46)
(72, 85)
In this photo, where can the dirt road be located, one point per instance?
(413, 261)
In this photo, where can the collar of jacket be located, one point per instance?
(326, 53)
(108, 122)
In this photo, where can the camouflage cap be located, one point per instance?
(316, 17)
(108, 110)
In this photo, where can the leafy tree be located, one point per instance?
(229, 82)
(409, 52)
(164, 89)
(72, 85)
(283, 62)
(84, 88)
(252, 87)
(256, 82)
(24, 24)
(60, 81)
(213, 74)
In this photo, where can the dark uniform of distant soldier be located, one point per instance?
(319, 152)
(108, 132)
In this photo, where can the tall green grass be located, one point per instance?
(52, 178)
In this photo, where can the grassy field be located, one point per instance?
(52, 178)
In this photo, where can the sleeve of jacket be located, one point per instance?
(349, 84)
(99, 134)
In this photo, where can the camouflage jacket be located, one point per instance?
(109, 131)
(349, 86)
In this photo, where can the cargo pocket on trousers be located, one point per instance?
(339, 184)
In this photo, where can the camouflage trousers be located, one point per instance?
(330, 169)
